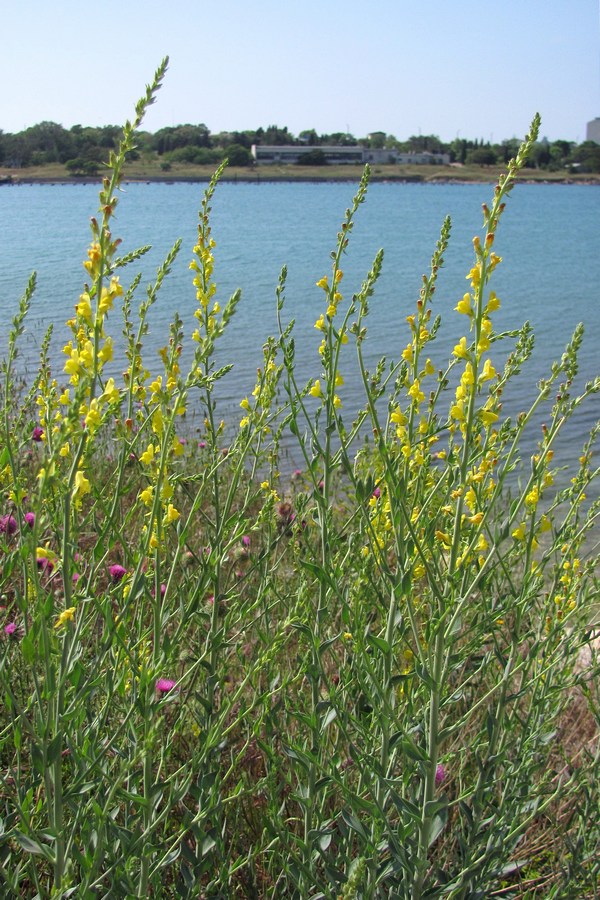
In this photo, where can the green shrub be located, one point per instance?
(359, 682)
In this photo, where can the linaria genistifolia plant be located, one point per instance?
(363, 680)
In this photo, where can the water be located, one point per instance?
(547, 238)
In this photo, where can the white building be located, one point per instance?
(592, 132)
(285, 154)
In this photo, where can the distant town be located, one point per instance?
(83, 150)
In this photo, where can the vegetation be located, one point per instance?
(363, 679)
(82, 150)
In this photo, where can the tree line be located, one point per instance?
(83, 149)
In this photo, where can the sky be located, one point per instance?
(455, 68)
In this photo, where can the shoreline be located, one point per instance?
(264, 176)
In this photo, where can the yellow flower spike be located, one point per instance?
(331, 310)
(67, 615)
(464, 306)
(146, 496)
(244, 422)
(407, 353)
(398, 417)
(320, 323)
(323, 283)
(429, 368)
(322, 347)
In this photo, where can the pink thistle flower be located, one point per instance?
(10, 629)
(8, 525)
(29, 519)
(440, 774)
(164, 685)
(117, 573)
(377, 493)
(37, 434)
(246, 541)
(163, 590)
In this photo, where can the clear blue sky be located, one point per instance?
(446, 67)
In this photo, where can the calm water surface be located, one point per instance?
(547, 238)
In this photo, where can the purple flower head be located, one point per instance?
(29, 519)
(246, 541)
(163, 590)
(201, 444)
(164, 685)
(440, 774)
(44, 564)
(377, 493)
(8, 525)
(10, 628)
(117, 573)
(37, 434)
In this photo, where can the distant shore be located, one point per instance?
(136, 173)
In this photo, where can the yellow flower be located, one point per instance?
(415, 392)
(320, 323)
(429, 368)
(488, 371)
(336, 401)
(67, 615)
(146, 496)
(531, 500)
(323, 283)
(82, 485)
(407, 353)
(493, 303)
(244, 422)
(148, 455)
(464, 306)
(520, 533)
(316, 390)
(171, 515)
